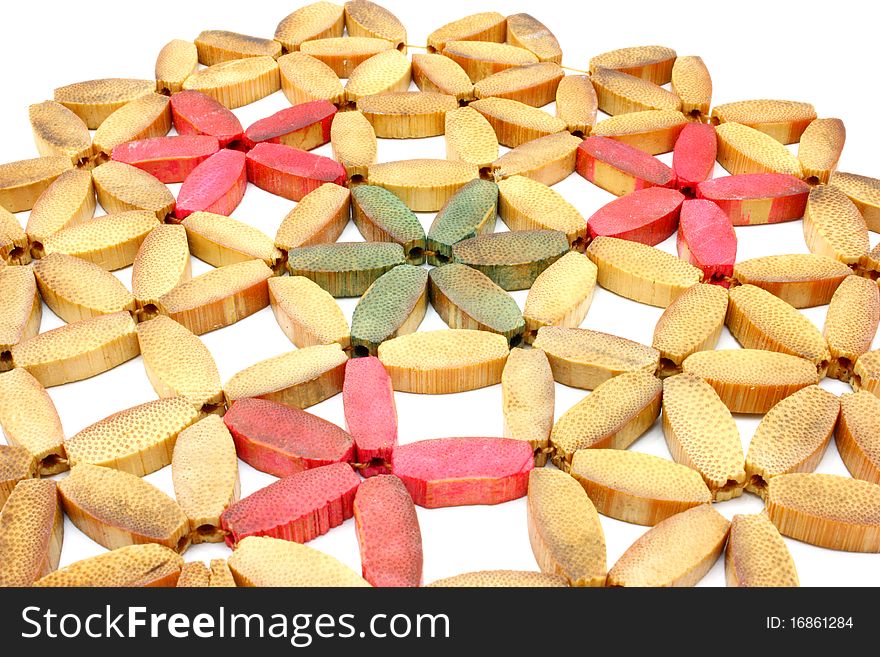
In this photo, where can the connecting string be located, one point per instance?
(409, 45)
(576, 70)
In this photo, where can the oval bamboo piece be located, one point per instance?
(803, 280)
(382, 217)
(353, 141)
(95, 100)
(532, 84)
(134, 565)
(308, 314)
(561, 294)
(653, 63)
(691, 323)
(304, 79)
(485, 26)
(751, 380)
(864, 192)
(564, 529)
(393, 305)
(161, 264)
(345, 269)
(365, 18)
(177, 60)
(858, 435)
(440, 362)
(586, 359)
(692, 83)
(500, 579)
(194, 574)
(144, 117)
(178, 364)
(204, 469)
(371, 420)
(216, 46)
(650, 131)
(319, 217)
(432, 72)
(219, 297)
(123, 187)
(481, 59)
(834, 227)
(383, 73)
(470, 138)
(470, 212)
(110, 242)
(528, 32)
(702, 434)
(516, 123)
(757, 555)
(14, 248)
(759, 320)
(621, 93)
(838, 513)
(79, 350)
(299, 378)
(576, 104)
(220, 240)
(757, 198)
(221, 576)
(466, 298)
(29, 420)
(820, 147)
(115, 509)
(866, 373)
(317, 20)
(23, 182)
(528, 396)
(528, 204)
(620, 168)
(266, 561)
(613, 416)
(22, 313)
(676, 552)
(635, 487)
(640, 272)
(60, 132)
(423, 185)
(16, 464)
(743, 149)
(546, 160)
(76, 289)
(851, 324)
(783, 120)
(138, 440)
(31, 532)
(344, 54)
(237, 82)
(68, 201)
(791, 437)
(407, 114)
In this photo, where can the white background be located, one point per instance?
(820, 53)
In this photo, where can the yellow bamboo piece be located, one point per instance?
(432, 72)
(422, 185)
(68, 201)
(380, 74)
(547, 160)
(691, 323)
(123, 187)
(532, 84)
(144, 117)
(527, 204)
(265, 561)
(29, 420)
(819, 149)
(783, 120)
(652, 63)
(528, 32)
(194, 574)
(365, 18)
(751, 380)
(561, 294)
(641, 272)
(635, 487)
(204, 469)
(14, 249)
(743, 149)
(177, 60)
(757, 555)
(115, 509)
(110, 242)
(95, 100)
(440, 362)
(318, 20)
(304, 78)
(621, 93)
(237, 82)
(834, 227)
(138, 440)
(702, 434)
(31, 532)
(79, 350)
(802, 279)
(851, 324)
(219, 297)
(528, 396)
(676, 552)
(576, 104)
(60, 132)
(486, 26)
(308, 314)
(22, 310)
(652, 131)
(178, 364)
(839, 513)
(613, 416)
(353, 141)
(22, 182)
(864, 192)
(299, 378)
(16, 464)
(407, 114)
(221, 576)
(220, 240)
(320, 217)
(500, 579)
(344, 54)
(564, 529)
(692, 83)
(866, 373)
(858, 435)
(470, 138)
(134, 565)
(161, 264)
(216, 46)
(516, 123)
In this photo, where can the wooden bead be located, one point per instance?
(470, 138)
(161, 264)
(23, 182)
(237, 82)
(148, 564)
(60, 132)
(220, 240)
(344, 54)
(851, 324)
(317, 20)
(423, 185)
(857, 436)
(365, 18)
(546, 160)
(382, 217)
(146, 116)
(470, 212)
(31, 531)
(757, 198)
(651, 131)
(30, 421)
(620, 93)
(820, 147)
(486, 26)
(383, 73)
(743, 149)
(95, 100)
(354, 143)
(652, 63)
(22, 313)
(216, 46)
(692, 83)
(304, 78)
(864, 192)
(319, 217)
(123, 187)
(432, 72)
(345, 269)
(560, 295)
(802, 279)
(532, 84)
(833, 226)
(783, 120)
(516, 123)
(307, 313)
(528, 395)
(177, 60)
(691, 323)
(528, 32)
(576, 104)
(620, 168)
(757, 555)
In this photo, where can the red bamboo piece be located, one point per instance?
(170, 159)
(217, 185)
(195, 113)
(370, 413)
(648, 216)
(706, 239)
(291, 172)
